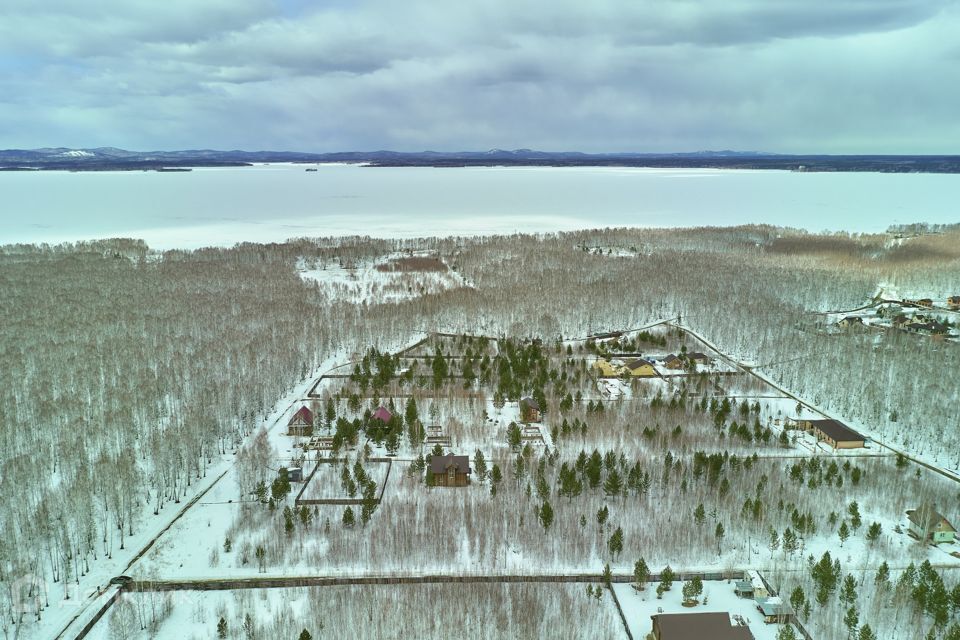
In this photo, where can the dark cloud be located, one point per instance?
(803, 76)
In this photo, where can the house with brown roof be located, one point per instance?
(673, 362)
(698, 358)
(450, 470)
(301, 424)
(530, 410)
(926, 523)
(836, 434)
(850, 321)
(698, 626)
(641, 368)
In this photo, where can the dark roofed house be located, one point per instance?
(529, 410)
(641, 368)
(672, 362)
(851, 321)
(698, 626)
(927, 523)
(698, 358)
(836, 434)
(382, 414)
(450, 470)
(301, 424)
(931, 326)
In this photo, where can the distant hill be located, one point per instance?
(111, 158)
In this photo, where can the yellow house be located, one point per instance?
(641, 368)
(606, 368)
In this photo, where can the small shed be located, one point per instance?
(295, 474)
(773, 609)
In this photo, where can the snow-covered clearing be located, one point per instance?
(364, 282)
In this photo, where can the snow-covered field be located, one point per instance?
(365, 283)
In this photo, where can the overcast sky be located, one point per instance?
(794, 76)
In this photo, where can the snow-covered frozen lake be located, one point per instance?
(268, 203)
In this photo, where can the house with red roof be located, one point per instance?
(301, 424)
(383, 414)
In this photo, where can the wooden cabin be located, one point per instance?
(698, 358)
(301, 424)
(641, 368)
(673, 362)
(530, 410)
(450, 470)
(926, 523)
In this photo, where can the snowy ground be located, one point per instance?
(717, 596)
(395, 611)
(326, 480)
(365, 283)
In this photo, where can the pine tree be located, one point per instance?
(866, 633)
(481, 465)
(513, 436)
(882, 579)
(348, 518)
(718, 534)
(797, 599)
(305, 635)
(848, 592)
(222, 628)
(602, 514)
(546, 515)
(851, 619)
(699, 514)
(666, 578)
(873, 532)
(613, 486)
(615, 543)
(640, 573)
(843, 532)
(787, 633)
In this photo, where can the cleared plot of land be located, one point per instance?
(328, 481)
(378, 612)
(718, 596)
(391, 279)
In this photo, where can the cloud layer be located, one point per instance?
(833, 76)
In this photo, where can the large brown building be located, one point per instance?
(450, 470)
(698, 626)
(836, 434)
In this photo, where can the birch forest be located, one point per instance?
(128, 374)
